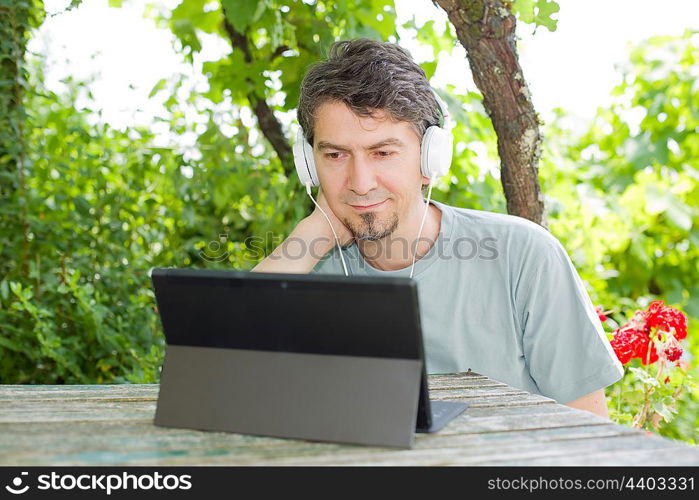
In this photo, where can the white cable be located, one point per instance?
(422, 223)
(337, 240)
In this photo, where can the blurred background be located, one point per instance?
(136, 134)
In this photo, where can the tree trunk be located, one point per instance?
(486, 29)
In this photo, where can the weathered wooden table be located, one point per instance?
(113, 425)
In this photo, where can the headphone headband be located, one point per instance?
(446, 117)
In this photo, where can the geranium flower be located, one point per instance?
(672, 349)
(660, 324)
(631, 343)
(646, 351)
(666, 318)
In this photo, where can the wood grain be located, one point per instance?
(113, 425)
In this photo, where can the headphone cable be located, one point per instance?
(337, 240)
(422, 223)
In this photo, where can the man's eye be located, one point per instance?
(333, 156)
(384, 154)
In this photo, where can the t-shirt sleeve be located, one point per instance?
(564, 344)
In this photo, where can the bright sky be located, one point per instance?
(572, 68)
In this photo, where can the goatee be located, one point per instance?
(371, 228)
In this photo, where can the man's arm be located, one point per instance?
(310, 240)
(300, 251)
(595, 402)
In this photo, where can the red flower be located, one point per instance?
(642, 351)
(671, 349)
(666, 318)
(659, 323)
(623, 346)
(600, 314)
(673, 353)
(631, 343)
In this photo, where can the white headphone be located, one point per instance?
(435, 159)
(435, 150)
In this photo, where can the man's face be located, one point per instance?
(368, 167)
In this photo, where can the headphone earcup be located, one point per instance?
(303, 160)
(436, 152)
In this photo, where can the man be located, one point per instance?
(498, 293)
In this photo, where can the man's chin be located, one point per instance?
(370, 229)
(370, 236)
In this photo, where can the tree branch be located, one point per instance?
(270, 126)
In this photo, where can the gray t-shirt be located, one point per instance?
(499, 295)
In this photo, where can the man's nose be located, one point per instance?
(362, 177)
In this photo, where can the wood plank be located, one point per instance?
(477, 453)
(112, 438)
(470, 425)
(525, 399)
(76, 411)
(105, 409)
(120, 445)
(120, 392)
(476, 392)
(458, 376)
(521, 412)
(659, 456)
(55, 403)
(436, 385)
(63, 417)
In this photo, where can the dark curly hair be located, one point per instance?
(369, 75)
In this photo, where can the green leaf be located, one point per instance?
(546, 8)
(429, 67)
(524, 9)
(440, 42)
(185, 32)
(16, 288)
(537, 12)
(692, 307)
(638, 250)
(242, 13)
(664, 411)
(11, 344)
(679, 214)
(82, 205)
(157, 87)
(4, 289)
(644, 376)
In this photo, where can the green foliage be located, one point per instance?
(95, 211)
(281, 38)
(624, 197)
(663, 392)
(440, 38)
(537, 12)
